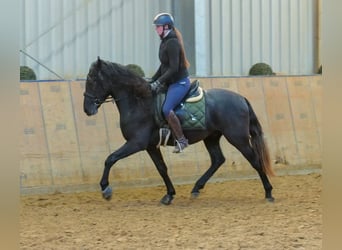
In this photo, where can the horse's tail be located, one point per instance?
(258, 142)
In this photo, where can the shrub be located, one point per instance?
(26, 73)
(136, 69)
(260, 69)
(319, 70)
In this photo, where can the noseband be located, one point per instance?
(97, 100)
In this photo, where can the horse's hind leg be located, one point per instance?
(243, 145)
(212, 143)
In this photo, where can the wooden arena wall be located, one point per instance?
(63, 150)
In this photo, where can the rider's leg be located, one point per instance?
(174, 96)
(181, 141)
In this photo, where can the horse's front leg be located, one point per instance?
(158, 161)
(129, 148)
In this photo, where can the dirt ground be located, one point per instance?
(228, 215)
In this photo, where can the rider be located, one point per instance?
(171, 73)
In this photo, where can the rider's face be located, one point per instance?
(159, 29)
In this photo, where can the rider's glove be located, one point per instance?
(155, 86)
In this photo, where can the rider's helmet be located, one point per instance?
(164, 19)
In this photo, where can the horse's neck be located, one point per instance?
(128, 104)
(123, 102)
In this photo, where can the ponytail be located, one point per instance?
(183, 55)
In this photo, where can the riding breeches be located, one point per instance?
(175, 94)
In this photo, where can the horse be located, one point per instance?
(228, 114)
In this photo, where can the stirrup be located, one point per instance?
(180, 145)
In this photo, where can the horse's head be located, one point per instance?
(95, 92)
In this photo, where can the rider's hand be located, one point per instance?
(155, 86)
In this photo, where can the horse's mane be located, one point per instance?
(127, 79)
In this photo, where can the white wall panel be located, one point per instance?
(202, 34)
(244, 32)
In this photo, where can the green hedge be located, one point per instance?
(261, 69)
(136, 69)
(26, 73)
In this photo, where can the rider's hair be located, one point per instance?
(183, 55)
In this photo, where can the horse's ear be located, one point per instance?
(98, 63)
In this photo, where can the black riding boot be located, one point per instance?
(181, 141)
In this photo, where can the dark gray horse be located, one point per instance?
(227, 113)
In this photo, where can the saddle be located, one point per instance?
(195, 93)
(190, 112)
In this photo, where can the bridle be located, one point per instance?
(97, 100)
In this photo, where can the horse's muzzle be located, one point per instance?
(90, 108)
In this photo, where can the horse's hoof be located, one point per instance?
(107, 193)
(195, 195)
(166, 200)
(270, 199)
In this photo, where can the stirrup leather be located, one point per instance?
(164, 135)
